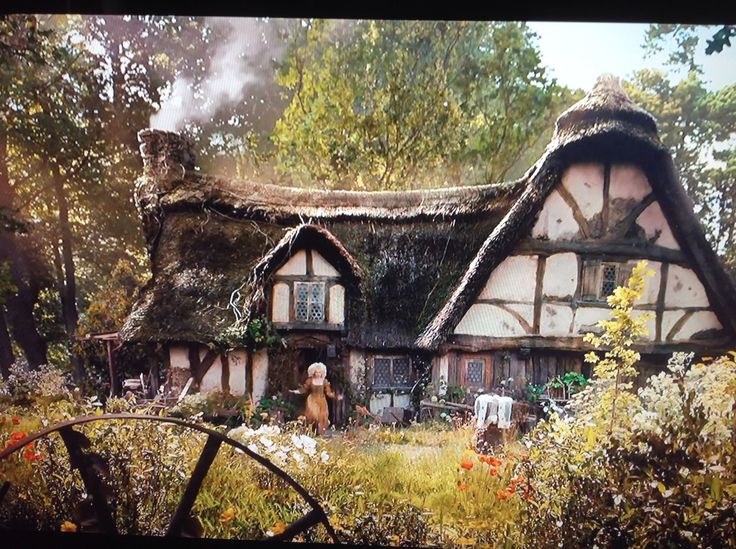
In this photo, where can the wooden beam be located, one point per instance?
(541, 264)
(623, 226)
(520, 319)
(483, 344)
(664, 273)
(605, 211)
(577, 213)
(609, 249)
(678, 325)
(225, 373)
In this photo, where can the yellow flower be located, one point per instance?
(67, 526)
(228, 515)
(276, 529)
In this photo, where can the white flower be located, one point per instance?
(280, 456)
(268, 443)
(296, 440)
(297, 457)
(325, 456)
(433, 398)
(253, 448)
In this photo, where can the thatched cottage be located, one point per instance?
(473, 284)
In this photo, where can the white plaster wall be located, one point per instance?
(587, 317)
(321, 267)
(260, 374)
(296, 265)
(652, 220)
(357, 366)
(336, 314)
(403, 401)
(525, 311)
(179, 357)
(444, 370)
(483, 319)
(628, 182)
(698, 322)
(280, 303)
(651, 284)
(585, 183)
(560, 275)
(555, 320)
(236, 360)
(379, 402)
(555, 221)
(212, 380)
(684, 289)
(513, 280)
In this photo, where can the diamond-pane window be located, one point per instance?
(475, 372)
(401, 372)
(309, 301)
(391, 372)
(301, 301)
(317, 302)
(609, 278)
(382, 372)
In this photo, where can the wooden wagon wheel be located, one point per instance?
(90, 464)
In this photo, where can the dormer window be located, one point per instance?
(308, 293)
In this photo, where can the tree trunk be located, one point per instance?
(19, 304)
(6, 349)
(69, 293)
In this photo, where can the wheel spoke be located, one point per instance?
(74, 442)
(195, 483)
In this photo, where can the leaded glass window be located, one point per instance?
(309, 301)
(401, 372)
(391, 372)
(475, 372)
(609, 279)
(382, 372)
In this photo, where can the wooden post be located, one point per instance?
(111, 369)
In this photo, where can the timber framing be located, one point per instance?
(608, 249)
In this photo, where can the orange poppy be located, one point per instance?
(466, 464)
(17, 435)
(503, 494)
(495, 462)
(511, 488)
(31, 455)
(16, 420)
(517, 480)
(462, 486)
(493, 472)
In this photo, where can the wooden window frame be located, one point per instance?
(392, 386)
(623, 272)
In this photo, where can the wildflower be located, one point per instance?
(324, 456)
(16, 420)
(17, 435)
(503, 494)
(67, 526)
(264, 415)
(511, 488)
(228, 515)
(276, 529)
(494, 462)
(493, 472)
(517, 480)
(466, 464)
(462, 486)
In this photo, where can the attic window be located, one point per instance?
(309, 301)
(600, 279)
(609, 278)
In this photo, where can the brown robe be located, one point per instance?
(315, 409)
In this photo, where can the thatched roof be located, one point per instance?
(604, 125)
(213, 240)
(417, 259)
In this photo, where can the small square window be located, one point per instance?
(391, 373)
(382, 372)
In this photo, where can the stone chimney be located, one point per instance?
(166, 156)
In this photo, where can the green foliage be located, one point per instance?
(385, 104)
(210, 404)
(257, 333)
(6, 281)
(25, 386)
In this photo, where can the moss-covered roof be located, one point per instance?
(207, 235)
